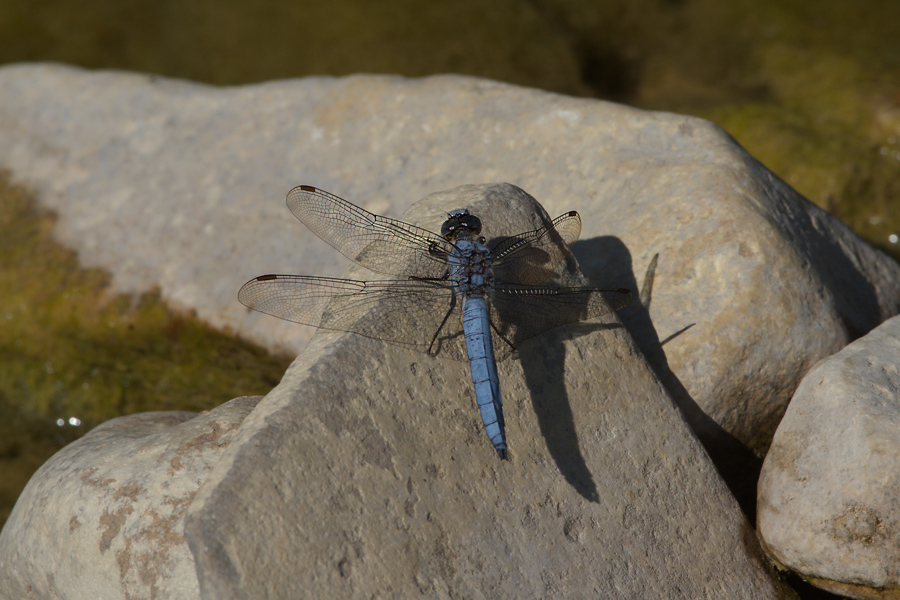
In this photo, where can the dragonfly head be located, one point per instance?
(460, 221)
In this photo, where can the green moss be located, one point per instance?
(70, 348)
(811, 92)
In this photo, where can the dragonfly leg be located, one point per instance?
(441, 326)
(502, 337)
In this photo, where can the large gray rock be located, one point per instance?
(181, 185)
(829, 491)
(104, 517)
(366, 473)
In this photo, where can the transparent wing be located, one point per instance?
(533, 257)
(522, 312)
(423, 315)
(375, 242)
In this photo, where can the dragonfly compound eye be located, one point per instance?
(460, 219)
(472, 223)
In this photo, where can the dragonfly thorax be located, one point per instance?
(470, 268)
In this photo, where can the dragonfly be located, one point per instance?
(454, 295)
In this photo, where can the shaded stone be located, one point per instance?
(104, 517)
(829, 488)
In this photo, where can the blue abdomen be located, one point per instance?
(477, 327)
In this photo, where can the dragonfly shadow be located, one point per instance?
(543, 362)
(738, 466)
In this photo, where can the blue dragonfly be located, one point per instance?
(458, 297)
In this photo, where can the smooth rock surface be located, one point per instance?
(104, 517)
(177, 185)
(377, 480)
(829, 491)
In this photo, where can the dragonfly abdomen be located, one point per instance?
(477, 328)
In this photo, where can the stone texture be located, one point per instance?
(829, 492)
(181, 186)
(378, 481)
(104, 517)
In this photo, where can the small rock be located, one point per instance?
(104, 517)
(829, 492)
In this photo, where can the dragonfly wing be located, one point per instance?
(375, 242)
(533, 257)
(423, 315)
(522, 312)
